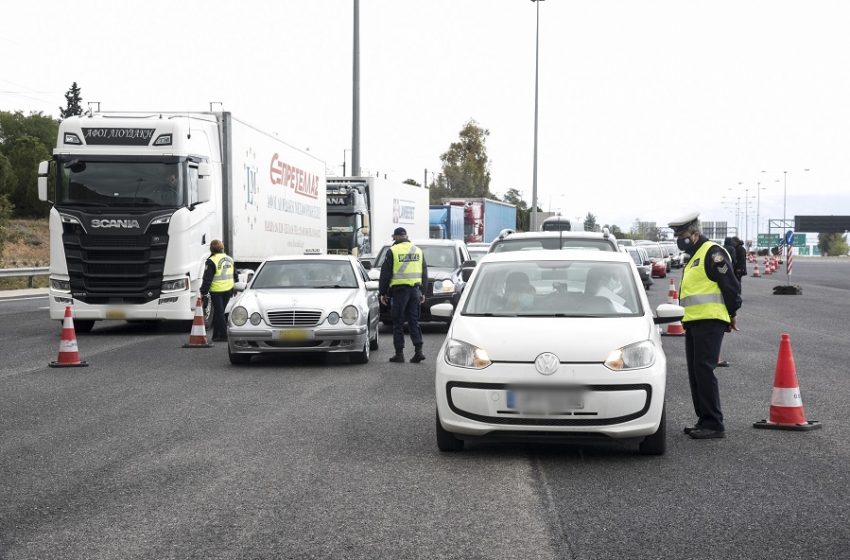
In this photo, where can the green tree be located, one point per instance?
(14, 125)
(615, 230)
(590, 223)
(832, 244)
(411, 182)
(438, 190)
(523, 215)
(73, 101)
(24, 142)
(25, 155)
(466, 166)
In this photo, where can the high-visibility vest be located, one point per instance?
(223, 279)
(701, 296)
(407, 264)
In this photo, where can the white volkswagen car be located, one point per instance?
(553, 346)
(309, 303)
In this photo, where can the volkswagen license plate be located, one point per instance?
(551, 401)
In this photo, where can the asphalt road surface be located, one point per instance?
(155, 451)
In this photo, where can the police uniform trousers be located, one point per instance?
(702, 350)
(219, 302)
(405, 307)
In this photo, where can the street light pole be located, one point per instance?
(536, 76)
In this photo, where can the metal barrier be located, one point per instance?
(30, 273)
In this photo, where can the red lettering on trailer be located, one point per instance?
(291, 177)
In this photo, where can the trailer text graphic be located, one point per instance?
(300, 181)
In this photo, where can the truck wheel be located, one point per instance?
(83, 325)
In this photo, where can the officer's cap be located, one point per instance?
(683, 224)
(399, 231)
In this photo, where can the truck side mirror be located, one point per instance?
(204, 182)
(43, 170)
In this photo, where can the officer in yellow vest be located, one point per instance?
(711, 295)
(219, 278)
(404, 276)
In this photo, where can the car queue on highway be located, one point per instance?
(550, 334)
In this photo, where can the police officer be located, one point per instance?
(219, 278)
(711, 296)
(403, 277)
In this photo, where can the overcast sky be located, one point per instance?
(648, 109)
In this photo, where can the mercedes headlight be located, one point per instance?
(634, 356)
(239, 316)
(256, 318)
(463, 354)
(350, 314)
(333, 318)
(444, 287)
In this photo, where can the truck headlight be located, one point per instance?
(444, 287)
(464, 354)
(175, 285)
(60, 285)
(350, 314)
(239, 316)
(634, 356)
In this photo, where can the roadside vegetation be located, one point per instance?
(26, 243)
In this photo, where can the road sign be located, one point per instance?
(789, 237)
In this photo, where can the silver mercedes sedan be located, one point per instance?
(304, 303)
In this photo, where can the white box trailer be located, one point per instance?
(138, 197)
(364, 211)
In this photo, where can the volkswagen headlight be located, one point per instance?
(350, 314)
(239, 316)
(464, 354)
(634, 356)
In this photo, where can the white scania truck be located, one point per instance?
(137, 199)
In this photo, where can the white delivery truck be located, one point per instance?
(364, 211)
(137, 199)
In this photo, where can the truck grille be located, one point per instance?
(118, 269)
(294, 318)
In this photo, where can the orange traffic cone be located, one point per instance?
(69, 354)
(756, 273)
(675, 328)
(198, 336)
(786, 405)
(766, 266)
(672, 295)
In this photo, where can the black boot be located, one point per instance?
(398, 358)
(418, 356)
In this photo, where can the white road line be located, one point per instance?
(23, 298)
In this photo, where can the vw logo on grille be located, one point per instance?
(547, 363)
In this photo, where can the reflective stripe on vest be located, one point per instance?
(223, 279)
(701, 296)
(407, 264)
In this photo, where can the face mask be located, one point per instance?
(684, 244)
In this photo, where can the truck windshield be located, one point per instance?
(344, 237)
(121, 184)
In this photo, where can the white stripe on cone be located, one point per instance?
(783, 396)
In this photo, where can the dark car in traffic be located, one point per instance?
(445, 260)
